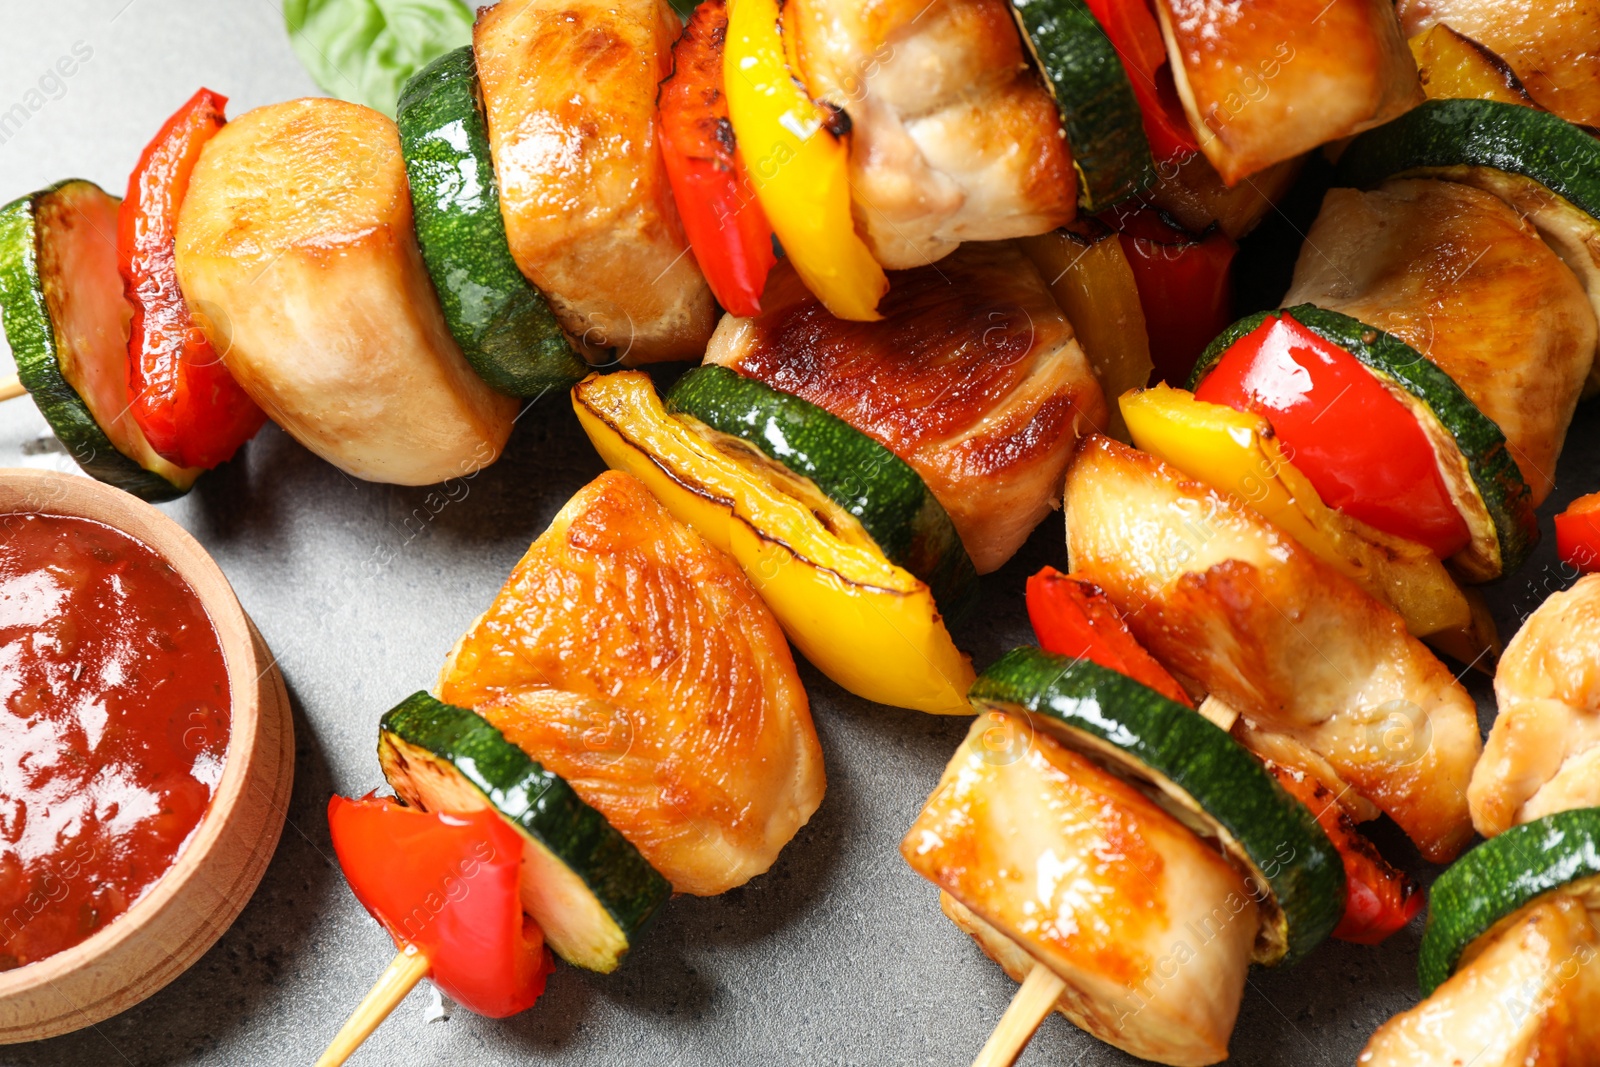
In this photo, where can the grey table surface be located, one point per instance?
(837, 956)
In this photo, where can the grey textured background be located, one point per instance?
(839, 955)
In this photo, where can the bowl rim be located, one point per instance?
(47, 492)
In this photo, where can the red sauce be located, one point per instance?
(114, 720)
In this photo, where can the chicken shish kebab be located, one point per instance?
(1095, 832)
(471, 237)
(973, 376)
(853, 554)
(1297, 655)
(628, 710)
(1381, 379)
(1510, 961)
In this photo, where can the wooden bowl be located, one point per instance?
(198, 898)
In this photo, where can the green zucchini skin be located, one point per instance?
(1098, 108)
(504, 325)
(534, 801)
(1494, 471)
(36, 346)
(1113, 717)
(891, 500)
(1480, 133)
(1499, 877)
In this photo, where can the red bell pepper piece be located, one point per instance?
(1185, 287)
(1379, 898)
(1072, 617)
(183, 398)
(1362, 449)
(1578, 533)
(728, 231)
(1132, 29)
(447, 886)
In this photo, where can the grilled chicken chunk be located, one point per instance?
(1238, 609)
(1051, 859)
(636, 661)
(1553, 46)
(569, 89)
(1530, 996)
(972, 376)
(1459, 276)
(954, 135)
(1265, 80)
(1543, 754)
(296, 253)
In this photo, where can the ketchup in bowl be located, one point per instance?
(114, 718)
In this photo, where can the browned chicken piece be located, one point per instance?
(972, 376)
(296, 251)
(636, 661)
(1543, 754)
(954, 135)
(1265, 80)
(1553, 46)
(569, 89)
(1527, 993)
(1047, 858)
(1462, 278)
(1192, 193)
(1235, 608)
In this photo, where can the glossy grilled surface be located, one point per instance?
(504, 325)
(591, 891)
(1459, 276)
(869, 625)
(1149, 926)
(570, 90)
(296, 251)
(1530, 996)
(973, 377)
(1500, 876)
(1483, 476)
(1265, 80)
(891, 501)
(1243, 612)
(954, 135)
(635, 660)
(1552, 45)
(1215, 784)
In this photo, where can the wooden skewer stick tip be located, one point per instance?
(1034, 1000)
(398, 979)
(11, 387)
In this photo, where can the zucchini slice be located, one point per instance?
(1492, 477)
(1500, 877)
(1104, 127)
(1480, 133)
(1200, 774)
(1539, 163)
(873, 627)
(883, 492)
(590, 891)
(503, 324)
(66, 320)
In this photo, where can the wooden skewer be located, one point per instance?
(398, 979)
(11, 388)
(1035, 998)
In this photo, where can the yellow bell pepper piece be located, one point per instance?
(1235, 452)
(1088, 273)
(869, 625)
(1454, 67)
(799, 166)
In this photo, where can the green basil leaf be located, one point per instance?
(366, 50)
